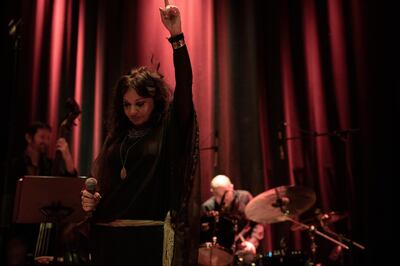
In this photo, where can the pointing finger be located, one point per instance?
(162, 12)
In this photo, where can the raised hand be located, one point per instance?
(171, 18)
(63, 147)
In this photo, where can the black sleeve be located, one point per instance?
(183, 102)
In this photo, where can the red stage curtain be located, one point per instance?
(282, 90)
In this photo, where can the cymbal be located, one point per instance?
(322, 219)
(276, 204)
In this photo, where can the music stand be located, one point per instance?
(48, 198)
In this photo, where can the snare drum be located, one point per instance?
(214, 254)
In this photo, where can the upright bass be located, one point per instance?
(48, 246)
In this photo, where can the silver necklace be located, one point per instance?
(123, 173)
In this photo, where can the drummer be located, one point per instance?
(230, 203)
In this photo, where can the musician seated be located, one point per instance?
(227, 205)
(34, 160)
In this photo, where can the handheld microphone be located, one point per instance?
(91, 184)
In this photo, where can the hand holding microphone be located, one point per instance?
(90, 198)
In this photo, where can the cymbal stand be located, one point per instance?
(316, 231)
(282, 203)
(214, 237)
(342, 237)
(214, 234)
(312, 232)
(313, 245)
(235, 234)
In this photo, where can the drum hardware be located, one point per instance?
(235, 233)
(323, 219)
(313, 244)
(216, 247)
(279, 204)
(284, 203)
(220, 247)
(342, 238)
(333, 237)
(312, 231)
(275, 205)
(214, 237)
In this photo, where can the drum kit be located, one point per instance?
(219, 232)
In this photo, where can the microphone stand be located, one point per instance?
(215, 149)
(54, 213)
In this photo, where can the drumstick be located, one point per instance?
(241, 237)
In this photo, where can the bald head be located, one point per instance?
(221, 185)
(220, 181)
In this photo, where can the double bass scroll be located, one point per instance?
(64, 130)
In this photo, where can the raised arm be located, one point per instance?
(171, 18)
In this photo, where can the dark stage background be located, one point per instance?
(316, 72)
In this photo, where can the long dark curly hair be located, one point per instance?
(146, 83)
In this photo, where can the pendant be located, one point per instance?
(123, 173)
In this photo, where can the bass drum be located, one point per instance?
(285, 258)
